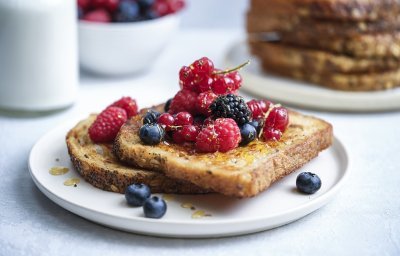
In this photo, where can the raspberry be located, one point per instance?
(184, 100)
(223, 135)
(231, 106)
(98, 15)
(128, 104)
(204, 100)
(107, 124)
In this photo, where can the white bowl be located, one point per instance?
(124, 48)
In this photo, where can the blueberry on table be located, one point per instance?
(154, 207)
(136, 194)
(248, 134)
(151, 134)
(308, 182)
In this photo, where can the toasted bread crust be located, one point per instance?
(242, 172)
(378, 45)
(330, 9)
(260, 23)
(294, 58)
(99, 167)
(339, 81)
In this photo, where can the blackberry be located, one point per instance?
(231, 106)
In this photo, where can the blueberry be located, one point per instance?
(151, 117)
(167, 105)
(154, 207)
(128, 11)
(151, 134)
(80, 13)
(150, 15)
(248, 133)
(136, 194)
(256, 124)
(145, 4)
(308, 182)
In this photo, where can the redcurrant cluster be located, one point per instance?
(201, 83)
(274, 119)
(181, 126)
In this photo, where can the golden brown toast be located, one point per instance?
(378, 45)
(98, 166)
(260, 23)
(241, 172)
(329, 9)
(340, 81)
(322, 62)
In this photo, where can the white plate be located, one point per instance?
(306, 95)
(277, 206)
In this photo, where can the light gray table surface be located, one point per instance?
(363, 219)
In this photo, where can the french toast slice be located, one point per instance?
(339, 81)
(98, 166)
(260, 23)
(322, 62)
(372, 45)
(241, 172)
(329, 9)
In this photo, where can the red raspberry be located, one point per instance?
(166, 120)
(98, 15)
(107, 124)
(128, 104)
(207, 140)
(270, 133)
(183, 118)
(184, 100)
(223, 135)
(161, 7)
(222, 85)
(204, 101)
(278, 119)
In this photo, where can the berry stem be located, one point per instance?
(226, 71)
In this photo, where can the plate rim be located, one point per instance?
(348, 101)
(307, 207)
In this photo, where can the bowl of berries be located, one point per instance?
(122, 37)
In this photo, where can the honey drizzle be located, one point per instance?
(72, 182)
(58, 170)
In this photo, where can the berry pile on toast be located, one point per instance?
(223, 157)
(206, 138)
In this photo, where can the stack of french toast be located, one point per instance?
(351, 45)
